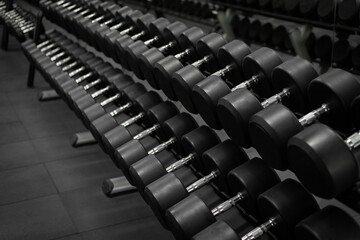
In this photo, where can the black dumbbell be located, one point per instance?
(150, 168)
(191, 215)
(229, 59)
(111, 100)
(100, 74)
(348, 12)
(86, 64)
(165, 67)
(103, 93)
(282, 207)
(134, 150)
(326, 9)
(98, 109)
(158, 38)
(323, 48)
(330, 95)
(113, 136)
(329, 222)
(170, 189)
(207, 93)
(147, 59)
(323, 161)
(88, 83)
(309, 8)
(342, 53)
(152, 30)
(138, 110)
(290, 80)
(226, 230)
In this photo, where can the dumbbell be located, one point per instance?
(323, 161)
(134, 150)
(104, 31)
(348, 12)
(152, 30)
(85, 66)
(80, 66)
(100, 74)
(195, 143)
(173, 34)
(97, 102)
(170, 189)
(107, 18)
(330, 95)
(282, 207)
(130, 20)
(290, 79)
(309, 8)
(167, 69)
(329, 223)
(158, 38)
(115, 135)
(207, 93)
(342, 53)
(164, 68)
(248, 181)
(139, 106)
(229, 58)
(326, 9)
(323, 48)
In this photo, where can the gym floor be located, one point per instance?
(49, 190)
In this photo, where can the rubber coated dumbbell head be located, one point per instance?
(329, 223)
(139, 107)
(164, 69)
(349, 12)
(195, 143)
(147, 59)
(168, 190)
(186, 221)
(133, 51)
(221, 230)
(98, 109)
(221, 159)
(174, 129)
(184, 79)
(110, 120)
(338, 88)
(355, 111)
(271, 128)
(261, 63)
(207, 92)
(253, 178)
(322, 161)
(284, 206)
(157, 115)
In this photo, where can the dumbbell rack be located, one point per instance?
(36, 32)
(199, 175)
(160, 11)
(329, 26)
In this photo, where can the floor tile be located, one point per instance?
(58, 147)
(8, 115)
(18, 154)
(90, 209)
(42, 218)
(25, 183)
(12, 132)
(147, 228)
(44, 128)
(89, 170)
(5, 100)
(71, 237)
